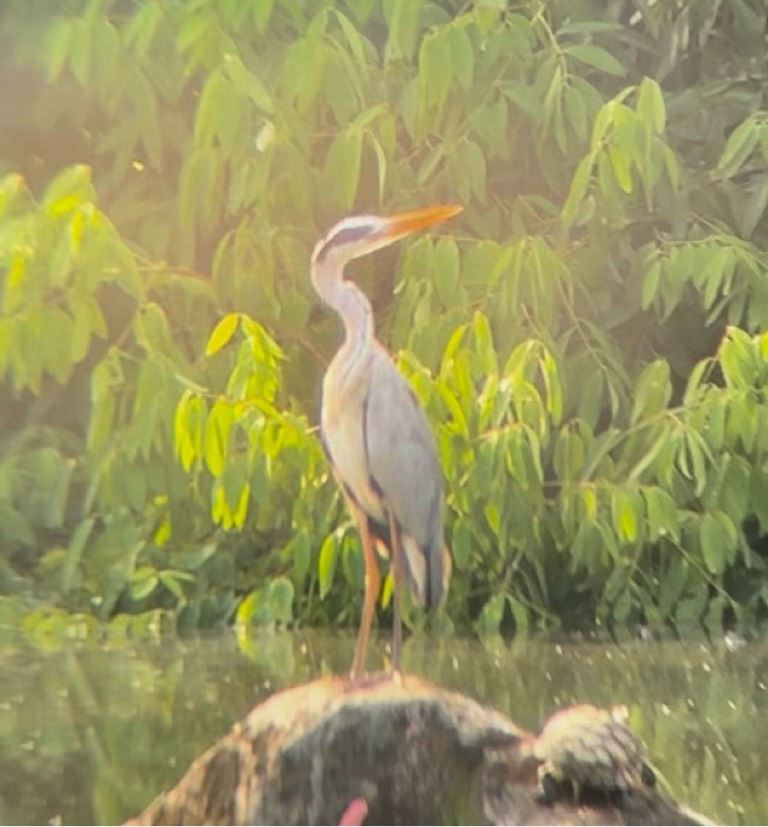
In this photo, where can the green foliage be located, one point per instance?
(588, 339)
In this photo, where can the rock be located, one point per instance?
(386, 751)
(590, 748)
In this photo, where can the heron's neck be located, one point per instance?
(356, 314)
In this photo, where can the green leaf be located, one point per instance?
(673, 581)
(484, 346)
(596, 57)
(697, 381)
(217, 436)
(651, 280)
(403, 26)
(75, 552)
(588, 496)
(463, 57)
(738, 147)
(445, 265)
(169, 579)
(584, 543)
(432, 159)
(650, 105)
(57, 46)
(220, 510)
(576, 110)
(145, 105)
(621, 161)
(473, 168)
(690, 609)
(582, 27)
(452, 347)
(300, 553)
(81, 52)
(90, 307)
(71, 187)
(569, 459)
(57, 344)
(491, 615)
(387, 589)
(551, 105)
(627, 508)
(552, 385)
(248, 85)
(734, 499)
(578, 190)
(714, 539)
(215, 87)
(222, 333)
(281, 594)
(435, 70)
(381, 163)
(491, 509)
(758, 500)
(327, 561)
(240, 509)
(261, 13)
(353, 38)
(141, 28)
(342, 167)
(661, 514)
(652, 392)
(197, 416)
(520, 613)
(461, 545)
(671, 165)
(696, 448)
(742, 424)
(661, 446)
(152, 328)
(143, 583)
(361, 9)
(200, 195)
(737, 359)
(103, 403)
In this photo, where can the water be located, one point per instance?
(90, 733)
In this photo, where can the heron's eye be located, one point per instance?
(342, 237)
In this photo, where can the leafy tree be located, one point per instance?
(589, 344)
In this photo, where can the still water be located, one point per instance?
(92, 733)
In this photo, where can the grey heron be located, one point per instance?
(375, 433)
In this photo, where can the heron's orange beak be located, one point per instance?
(405, 223)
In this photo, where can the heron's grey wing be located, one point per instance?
(403, 461)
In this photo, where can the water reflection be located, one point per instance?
(91, 733)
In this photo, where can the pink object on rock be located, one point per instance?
(355, 813)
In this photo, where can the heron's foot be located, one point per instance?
(356, 680)
(366, 681)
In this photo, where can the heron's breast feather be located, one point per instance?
(345, 444)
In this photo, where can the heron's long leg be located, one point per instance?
(397, 576)
(372, 581)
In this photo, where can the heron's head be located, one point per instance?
(359, 235)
